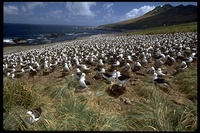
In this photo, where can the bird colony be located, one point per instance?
(116, 59)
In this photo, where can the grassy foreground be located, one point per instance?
(94, 110)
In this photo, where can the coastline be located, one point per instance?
(20, 48)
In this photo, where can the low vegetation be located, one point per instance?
(187, 27)
(151, 109)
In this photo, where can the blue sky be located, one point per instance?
(77, 13)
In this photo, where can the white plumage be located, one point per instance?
(122, 79)
(151, 70)
(160, 82)
(82, 80)
(160, 73)
(33, 115)
(182, 66)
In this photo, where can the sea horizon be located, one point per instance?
(51, 24)
(32, 34)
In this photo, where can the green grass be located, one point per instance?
(66, 110)
(187, 27)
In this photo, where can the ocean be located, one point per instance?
(32, 34)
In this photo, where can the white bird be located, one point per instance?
(33, 115)
(53, 65)
(36, 66)
(126, 67)
(102, 70)
(189, 60)
(110, 77)
(46, 66)
(182, 66)
(85, 67)
(158, 63)
(193, 55)
(11, 75)
(78, 73)
(11, 70)
(160, 82)
(144, 61)
(122, 79)
(101, 62)
(151, 70)
(129, 59)
(160, 73)
(77, 63)
(31, 69)
(66, 67)
(23, 64)
(19, 73)
(69, 64)
(117, 63)
(137, 66)
(83, 82)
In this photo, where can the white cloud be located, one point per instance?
(54, 15)
(56, 12)
(136, 12)
(109, 17)
(108, 5)
(30, 6)
(11, 10)
(81, 8)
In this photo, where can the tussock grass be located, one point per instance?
(94, 110)
(187, 83)
(18, 93)
(161, 115)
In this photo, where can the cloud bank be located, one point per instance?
(81, 8)
(136, 12)
(13, 10)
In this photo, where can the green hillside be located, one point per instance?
(160, 16)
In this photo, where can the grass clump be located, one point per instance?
(187, 83)
(95, 110)
(18, 93)
(161, 115)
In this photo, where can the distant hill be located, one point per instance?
(160, 16)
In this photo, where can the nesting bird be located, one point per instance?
(83, 82)
(126, 67)
(144, 61)
(182, 66)
(137, 67)
(78, 73)
(33, 115)
(160, 72)
(122, 79)
(160, 82)
(129, 59)
(117, 63)
(100, 64)
(151, 70)
(170, 60)
(86, 69)
(10, 75)
(19, 73)
(109, 77)
(102, 70)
